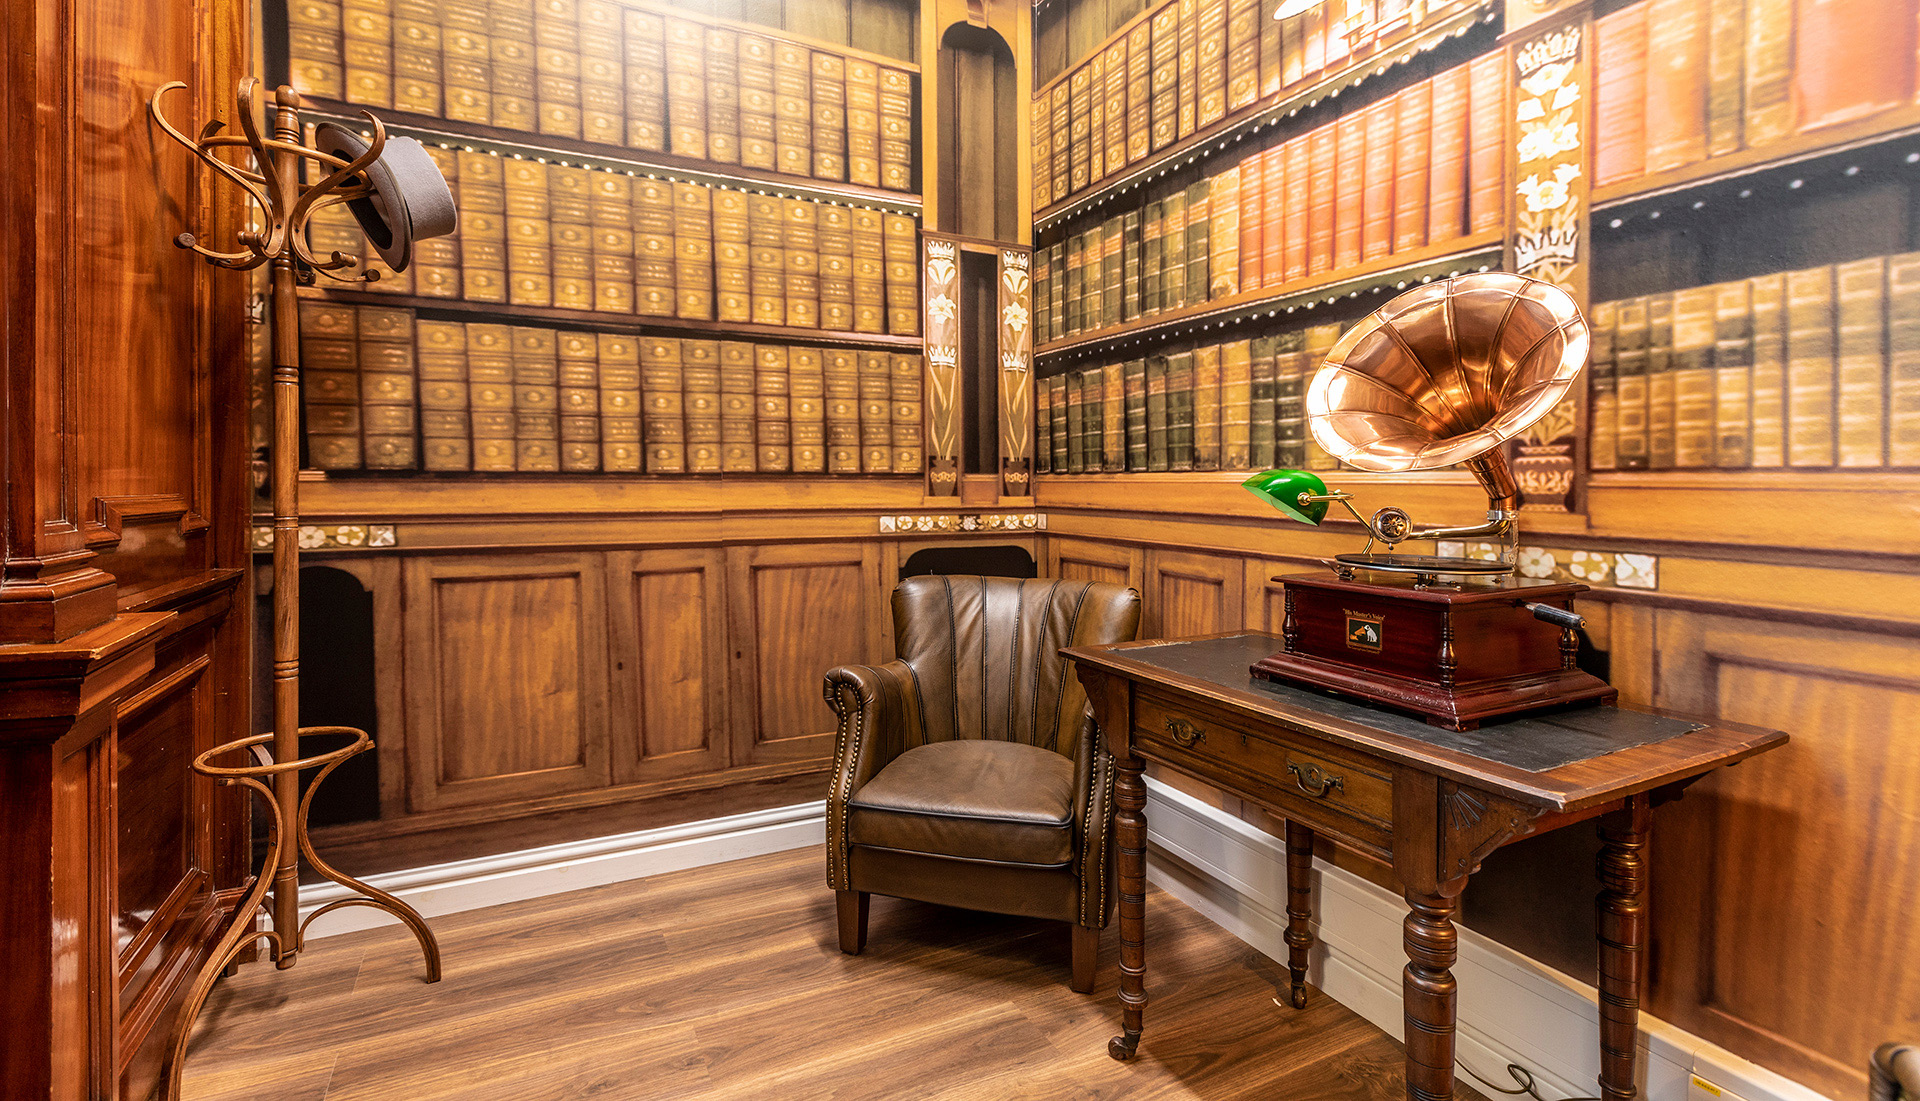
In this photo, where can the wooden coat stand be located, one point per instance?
(279, 240)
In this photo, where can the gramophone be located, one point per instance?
(1444, 375)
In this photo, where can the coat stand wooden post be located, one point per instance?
(279, 240)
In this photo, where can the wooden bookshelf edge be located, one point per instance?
(617, 158)
(600, 321)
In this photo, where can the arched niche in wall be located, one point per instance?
(336, 683)
(979, 135)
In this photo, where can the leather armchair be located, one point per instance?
(969, 772)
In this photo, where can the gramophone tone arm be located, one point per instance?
(1392, 525)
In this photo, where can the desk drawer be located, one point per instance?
(1330, 788)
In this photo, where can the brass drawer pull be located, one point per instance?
(1185, 732)
(1314, 782)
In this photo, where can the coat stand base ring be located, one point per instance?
(285, 944)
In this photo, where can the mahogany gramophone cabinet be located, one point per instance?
(1445, 374)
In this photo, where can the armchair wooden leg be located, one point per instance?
(852, 907)
(1086, 958)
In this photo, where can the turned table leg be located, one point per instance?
(1621, 908)
(1130, 836)
(1299, 907)
(1431, 996)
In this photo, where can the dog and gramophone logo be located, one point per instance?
(1365, 630)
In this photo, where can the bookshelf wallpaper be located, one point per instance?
(1422, 167)
(617, 74)
(388, 390)
(1189, 64)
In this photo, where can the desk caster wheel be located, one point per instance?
(1124, 1046)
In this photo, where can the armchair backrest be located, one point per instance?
(985, 653)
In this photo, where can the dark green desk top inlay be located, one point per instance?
(1536, 743)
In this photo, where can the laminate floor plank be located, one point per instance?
(727, 982)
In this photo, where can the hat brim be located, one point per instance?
(409, 198)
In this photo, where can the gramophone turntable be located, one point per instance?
(1443, 375)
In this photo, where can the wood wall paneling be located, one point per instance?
(796, 611)
(1084, 560)
(669, 653)
(1785, 925)
(506, 668)
(1191, 594)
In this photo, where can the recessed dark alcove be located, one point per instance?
(984, 561)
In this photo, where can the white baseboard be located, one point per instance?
(1512, 1009)
(553, 869)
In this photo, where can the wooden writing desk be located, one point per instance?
(1430, 803)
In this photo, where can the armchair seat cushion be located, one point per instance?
(1005, 802)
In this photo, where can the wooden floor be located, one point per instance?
(727, 982)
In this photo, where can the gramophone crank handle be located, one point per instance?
(1559, 617)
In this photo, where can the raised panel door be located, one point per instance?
(796, 611)
(506, 671)
(669, 663)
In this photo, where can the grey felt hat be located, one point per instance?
(410, 200)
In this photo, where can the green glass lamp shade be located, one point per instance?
(1283, 488)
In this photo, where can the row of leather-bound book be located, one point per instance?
(1816, 368)
(1236, 405)
(618, 74)
(1421, 167)
(388, 390)
(1683, 81)
(1191, 64)
(547, 234)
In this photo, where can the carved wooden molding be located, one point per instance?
(112, 514)
(1473, 824)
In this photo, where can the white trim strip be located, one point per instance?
(571, 866)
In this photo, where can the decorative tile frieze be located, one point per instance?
(904, 524)
(1609, 568)
(333, 537)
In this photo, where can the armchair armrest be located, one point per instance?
(879, 719)
(1093, 823)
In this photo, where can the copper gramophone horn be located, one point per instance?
(1446, 374)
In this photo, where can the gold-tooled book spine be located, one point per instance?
(556, 67)
(579, 403)
(737, 412)
(732, 257)
(529, 232)
(773, 410)
(686, 62)
(665, 425)
(536, 417)
(490, 395)
(692, 252)
(807, 397)
(643, 47)
(906, 394)
(654, 248)
(446, 424)
(802, 238)
(621, 408)
(876, 412)
(841, 379)
(723, 95)
(700, 397)
(514, 83)
(829, 116)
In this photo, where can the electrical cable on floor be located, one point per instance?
(1523, 1078)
